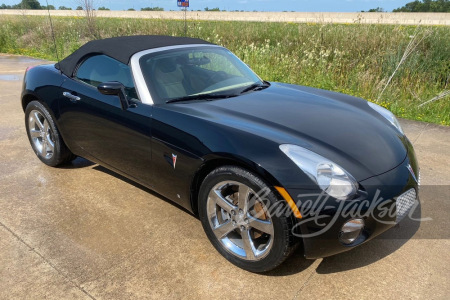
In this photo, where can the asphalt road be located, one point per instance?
(82, 232)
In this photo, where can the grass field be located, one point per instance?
(356, 59)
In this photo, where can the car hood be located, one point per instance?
(339, 127)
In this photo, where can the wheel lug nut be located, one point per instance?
(246, 221)
(233, 212)
(234, 223)
(242, 228)
(241, 212)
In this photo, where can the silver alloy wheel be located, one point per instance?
(240, 220)
(41, 134)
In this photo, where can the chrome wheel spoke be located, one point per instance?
(38, 121)
(32, 122)
(46, 127)
(44, 147)
(244, 192)
(35, 133)
(221, 201)
(50, 145)
(249, 248)
(261, 225)
(224, 229)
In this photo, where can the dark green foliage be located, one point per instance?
(378, 9)
(152, 9)
(26, 4)
(425, 6)
(50, 7)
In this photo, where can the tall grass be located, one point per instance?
(355, 59)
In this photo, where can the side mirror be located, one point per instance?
(114, 88)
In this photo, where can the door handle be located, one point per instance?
(71, 97)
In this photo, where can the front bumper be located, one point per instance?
(384, 201)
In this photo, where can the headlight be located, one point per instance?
(329, 176)
(387, 114)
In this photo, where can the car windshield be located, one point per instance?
(205, 71)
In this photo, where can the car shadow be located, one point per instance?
(296, 263)
(77, 163)
(361, 256)
(374, 250)
(139, 186)
(81, 162)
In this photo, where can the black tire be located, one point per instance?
(282, 243)
(56, 154)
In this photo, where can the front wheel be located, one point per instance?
(244, 220)
(44, 137)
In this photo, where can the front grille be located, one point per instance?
(404, 203)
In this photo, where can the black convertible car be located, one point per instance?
(268, 167)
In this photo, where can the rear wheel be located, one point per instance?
(237, 210)
(44, 137)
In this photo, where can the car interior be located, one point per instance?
(179, 76)
(100, 68)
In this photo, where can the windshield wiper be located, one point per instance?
(256, 86)
(200, 97)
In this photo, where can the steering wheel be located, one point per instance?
(217, 75)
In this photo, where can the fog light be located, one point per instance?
(351, 231)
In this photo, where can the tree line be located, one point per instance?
(34, 4)
(420, 6)
(425, 6)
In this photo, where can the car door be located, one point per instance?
(97, 124)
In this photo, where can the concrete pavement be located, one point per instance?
(83, 232)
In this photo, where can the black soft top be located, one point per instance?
(121, 48)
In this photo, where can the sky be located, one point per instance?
(248, 5)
